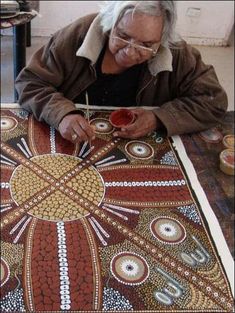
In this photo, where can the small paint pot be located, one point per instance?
(228, 142)
(227, 161)
(211, 135)
(121, 118)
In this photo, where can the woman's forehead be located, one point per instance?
(142, 27)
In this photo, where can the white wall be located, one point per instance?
(57, 14)
(212, 26)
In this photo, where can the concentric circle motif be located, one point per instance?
(31, 187)
(139, 150)
(8, 123)
(168, 230)
(5, 272)
(102, 126)
(129, 268)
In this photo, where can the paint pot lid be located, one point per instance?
(228, 141)
(227, 157)
(212, 135)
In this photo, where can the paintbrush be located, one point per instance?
(88, 112)
(87, 108)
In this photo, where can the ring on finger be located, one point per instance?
(74, 137)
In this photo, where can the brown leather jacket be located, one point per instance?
(185, 91)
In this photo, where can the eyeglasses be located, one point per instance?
(143, 50)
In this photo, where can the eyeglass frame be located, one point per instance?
(138, 47)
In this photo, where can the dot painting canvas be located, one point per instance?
(111, 225)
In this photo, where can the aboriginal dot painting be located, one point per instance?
(109, 226)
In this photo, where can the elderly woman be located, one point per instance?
(127, 55)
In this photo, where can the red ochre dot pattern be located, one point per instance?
(45, 267)
(149, 193)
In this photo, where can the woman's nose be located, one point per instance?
(130, 50)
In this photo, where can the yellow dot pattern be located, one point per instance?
(57, 206)
(25, 184)
(88, 186)
(56, 165)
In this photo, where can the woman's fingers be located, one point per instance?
(145, 123)
(75, 128)
(87, 129)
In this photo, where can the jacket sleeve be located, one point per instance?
(38, 85)
(200, 102)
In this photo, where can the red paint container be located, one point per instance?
(121, 118)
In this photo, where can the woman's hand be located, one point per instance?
(145, 123)
(76, 129)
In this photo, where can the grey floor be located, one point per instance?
(222, 58)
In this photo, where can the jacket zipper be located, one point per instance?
(94, 72)
(142, 89)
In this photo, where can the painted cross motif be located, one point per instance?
(111, 226)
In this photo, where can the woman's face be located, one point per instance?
(132, 35)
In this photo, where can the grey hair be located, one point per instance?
(111, 13)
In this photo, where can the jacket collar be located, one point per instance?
(95, 40)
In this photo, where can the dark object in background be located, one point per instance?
(13, 7)
(9, 7)
(24, 5)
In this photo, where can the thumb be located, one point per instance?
(137, 112)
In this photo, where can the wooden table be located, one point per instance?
(219, 187)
